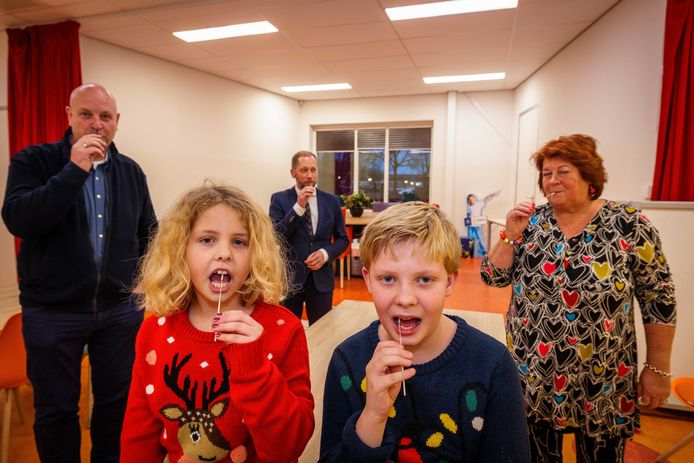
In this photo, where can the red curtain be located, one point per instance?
(43, 67)
(674, 169)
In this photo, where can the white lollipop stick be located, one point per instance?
(404, 390)
(219, 303)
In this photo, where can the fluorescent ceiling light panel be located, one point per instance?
(465, 78)
(225, 32)
(430, 10)
(317, 88)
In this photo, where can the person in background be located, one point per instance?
(417, 385)
(576, 264)
(474, 210)
(221, 372)
(84, 214)
(312, 227)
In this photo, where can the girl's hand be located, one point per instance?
(385, 373)
(236, 327)
(518, 218)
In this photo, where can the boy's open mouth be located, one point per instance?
(406, 325)
(220, 279)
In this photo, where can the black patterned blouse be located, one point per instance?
(570, 322)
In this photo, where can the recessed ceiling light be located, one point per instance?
(225, 32)
(429, 10)
(465, 78)
(317, 88)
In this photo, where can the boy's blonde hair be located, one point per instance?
(423, 223)
(164, 285)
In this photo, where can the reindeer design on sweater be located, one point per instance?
(198, 434)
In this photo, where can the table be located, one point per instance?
(364, 219)
(346, 319)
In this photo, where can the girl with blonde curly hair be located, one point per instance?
(221, 373)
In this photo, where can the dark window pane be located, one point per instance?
(371, 138)
(335, 172)
(371, 173)
(409, 175)
(335, 140)
(409, 138)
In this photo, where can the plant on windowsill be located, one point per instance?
(356, 203)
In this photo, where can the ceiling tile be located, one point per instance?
(324, 14)
(390, 62)
(174, 52)
(461, 43)
(456, 24)
(460, 59)
(72, 11)
(135, 36)
(203, 15)
(210, 64)
(352, 51)
(247, 45)
(339, 35)
(110, 22)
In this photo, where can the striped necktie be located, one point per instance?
(309, 221)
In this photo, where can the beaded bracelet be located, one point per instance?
(504, 238)
(657, 371)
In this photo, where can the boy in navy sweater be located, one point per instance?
(417, 385)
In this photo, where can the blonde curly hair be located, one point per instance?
(163, 284)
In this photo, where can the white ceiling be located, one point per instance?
(329, 41)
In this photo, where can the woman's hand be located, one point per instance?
(653, 389)
(518, 218)
(236, 327)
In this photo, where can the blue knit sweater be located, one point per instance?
(464, 405)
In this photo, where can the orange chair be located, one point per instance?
(13, 374)
(347, 253)
(683, 388)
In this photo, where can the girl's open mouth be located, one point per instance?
(220, 279)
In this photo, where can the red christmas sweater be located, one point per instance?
(193, 399)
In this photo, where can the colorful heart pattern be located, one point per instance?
(571, 314)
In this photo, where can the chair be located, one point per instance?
(346, 254)
(13, 374)
(683, 388)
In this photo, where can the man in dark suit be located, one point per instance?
(311, 223)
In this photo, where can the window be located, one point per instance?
(349, 157)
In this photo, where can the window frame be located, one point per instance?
(386, 155)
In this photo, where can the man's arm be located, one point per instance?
(284, 220)
(34, 204)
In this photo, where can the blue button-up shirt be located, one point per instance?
(95, 194)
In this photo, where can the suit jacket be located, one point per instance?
(330, 235)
